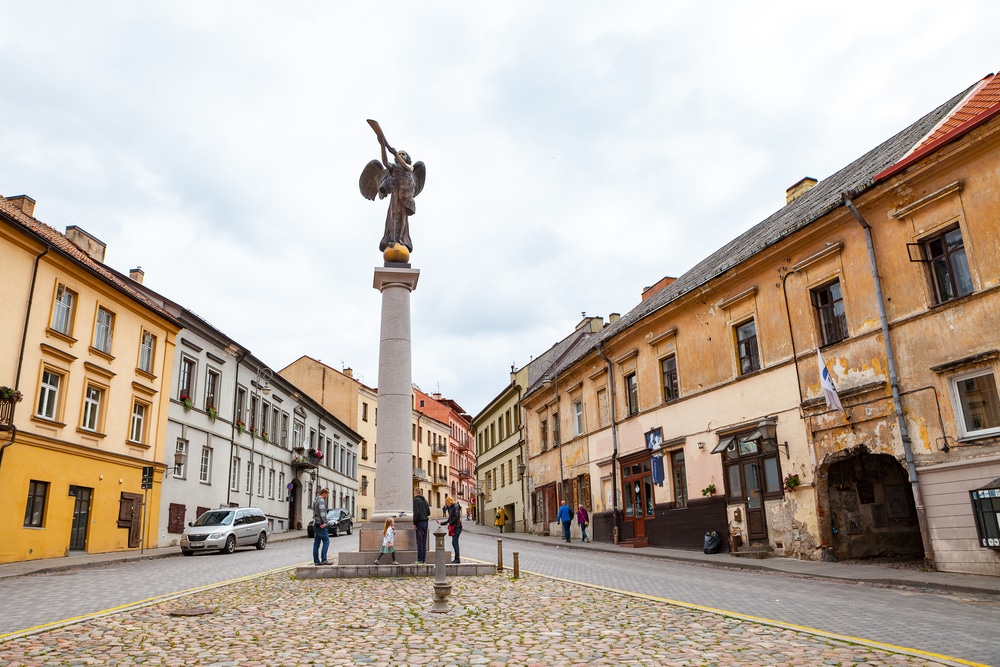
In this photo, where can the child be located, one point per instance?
(388, 539)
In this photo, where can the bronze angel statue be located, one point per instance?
(401, 181)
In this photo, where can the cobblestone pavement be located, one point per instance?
(494, 620)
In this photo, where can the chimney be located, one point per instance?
(137, 274)
(613, 317)
(349, 372)
(650, 291)
(23, 203)
(86, 242)
(799, 189)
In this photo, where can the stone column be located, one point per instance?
(393, 438)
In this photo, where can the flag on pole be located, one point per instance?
(826, 382)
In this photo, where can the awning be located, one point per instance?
(723, 445)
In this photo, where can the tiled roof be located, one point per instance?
(804, 210)
(59, 242)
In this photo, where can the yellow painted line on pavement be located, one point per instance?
(138, 604)
(768, 621)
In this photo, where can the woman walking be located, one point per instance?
(388, 541)
(583, 518)
(454, 513)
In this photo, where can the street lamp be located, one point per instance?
(263, 375)
(553, 381)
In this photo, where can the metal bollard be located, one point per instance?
(442, 589)
(517, 569)
(499, 555)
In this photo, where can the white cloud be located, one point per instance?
(576, 151)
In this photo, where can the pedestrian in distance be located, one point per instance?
(565, 517)
(321, 532)
(501, 519)
(421, 515)
(453, 512)
(388, 541)
(583, 518)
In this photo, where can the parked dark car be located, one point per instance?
(340, 522)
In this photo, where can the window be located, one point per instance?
(205, 465)
(364, 450)
(945, 254)
(241, 405)
(62, 310)
(364, 411)
(34, 511)
(147, 352)
(297, 434)
(180, 471)
(746, 345)
(543, 433)
(260, 481)
(556, 439)
(92, 408)
(48, 395)
(829, 306)
(631, 394)
(103, 330)
(138, 431)
(284, 429)
(976, 401)
(578, 417)
(603, 408)
(679, 478)
(668, 371)
(270, 483)
(186, 384)
(364, 485)
(249, 476)
(282, 491)
(212, 390)
(234, 474)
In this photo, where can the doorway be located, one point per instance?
(81, 517)
(637, 488)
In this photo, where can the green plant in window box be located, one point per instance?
(791, 482)
(240, 426)
(212, 413)
(188, 403)
(708, 490)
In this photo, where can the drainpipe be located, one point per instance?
(614, 440)
(24, 338)
(232, 433)
(894, 384)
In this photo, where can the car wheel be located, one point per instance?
(350, 528)
(334, 530)
(187, 552)
(230, 545)
(261, 541)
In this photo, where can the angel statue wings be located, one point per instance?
(401, 181)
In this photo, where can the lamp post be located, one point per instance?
(520, 476)
(263, 375)
(556, 430)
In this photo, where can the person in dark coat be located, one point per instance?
(421, 515)
(453, 512)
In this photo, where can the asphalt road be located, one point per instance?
(961, 626)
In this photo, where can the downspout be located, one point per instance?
(24, 339)
(918, 500)
(232, 435)
(614, 441)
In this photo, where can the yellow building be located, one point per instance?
(92, 359)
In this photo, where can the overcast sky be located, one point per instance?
(576, 151)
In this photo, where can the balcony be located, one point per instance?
(465, 474)
(302, 462)
(440, 480)
(440, 449)
(462, 446)
(420, 474)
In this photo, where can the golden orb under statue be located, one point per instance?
(396, 253)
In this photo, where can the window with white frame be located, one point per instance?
(284, 429)
(205, 465)
(976, 403)
(282, 491)
(241, 405)
(104, 330)
(578, 417)
(147, 352)
(92, 399)
(260, 481)
(234, 474)
(63, 309)
(48, 394)
(249, 476)
(137, 432)
(270, 483)
(297, 428)
(180, 471)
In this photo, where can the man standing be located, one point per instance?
(565, 518)
(321, 533)
(421, 514)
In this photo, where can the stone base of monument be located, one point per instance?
(358, 571)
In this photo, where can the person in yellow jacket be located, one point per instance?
(501, 519)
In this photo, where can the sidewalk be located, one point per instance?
(853, 572)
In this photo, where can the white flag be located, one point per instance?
(826, 382)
